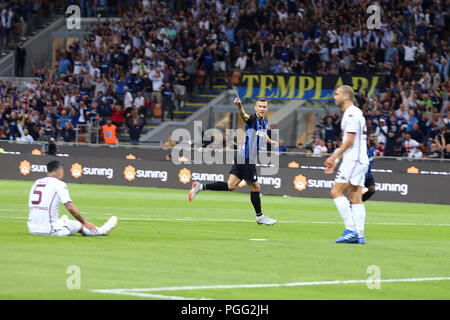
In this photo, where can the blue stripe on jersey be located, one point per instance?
(371, 155)
(255, 136)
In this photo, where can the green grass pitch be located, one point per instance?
(164, 242)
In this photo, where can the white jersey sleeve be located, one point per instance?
(351, 124)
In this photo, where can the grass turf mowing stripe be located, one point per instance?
(189, 219)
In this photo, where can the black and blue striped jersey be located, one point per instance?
(255, 137)
(371, 156)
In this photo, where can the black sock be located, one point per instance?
(367, 195)
(218, 186)
(256, 201)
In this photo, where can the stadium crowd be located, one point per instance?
(18, 17)
(164, 50)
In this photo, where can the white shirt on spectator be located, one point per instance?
(135, 65)
(402, 113)
(225, 46)
(136, 41)
(347, 41)
(139, 102)
(70, 99)
(380, 136)
(320, 149)
(128, 100)
(332, 34)
(411, 148)
(410, 52)
(98, 41)
(241, 62)
(204, 24)
(77, 65)
(156, 82)
(388, 37)
(126, 48)
(282, 16)
(26, 139)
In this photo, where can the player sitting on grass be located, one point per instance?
(244, 167)
(43, 204)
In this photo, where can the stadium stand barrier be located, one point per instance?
(397, 179)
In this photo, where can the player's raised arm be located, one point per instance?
(244, 115)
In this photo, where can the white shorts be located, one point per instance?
(181, 90)
(65, 228)
(221, 66)
(352, 171)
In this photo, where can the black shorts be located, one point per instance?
(370, 181)
(246, 172)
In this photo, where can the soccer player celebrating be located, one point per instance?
(353, 168)
(244, 167)
(369, 183)
(43, 204)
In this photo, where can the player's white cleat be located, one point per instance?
(110, 224)
(262, 219)
(64, 218)
(196, 187)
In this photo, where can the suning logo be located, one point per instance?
(130, 173)
(276, 182)
(78, 170)
(207, 177)
(26, 168)
(392, 187)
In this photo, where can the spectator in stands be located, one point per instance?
(331, 146)
(319, 147)
(117, 117)
(330, 129)
(135, 128)
(167, 101)
(21, 54)
(182, 78)
(390, 141)
(317, 133)
(282, 147)
(241, 62)
(109, 132)
(169, 143)
(157, 83)
(416, 133)
(67, 132)
(382, 127)
(434, 151)
(127, 99)
(207, 64)
(412, 147)
(25, 136)
(64, 64)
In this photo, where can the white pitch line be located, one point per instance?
(140, 294)
(252, 221)
(143, 292)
